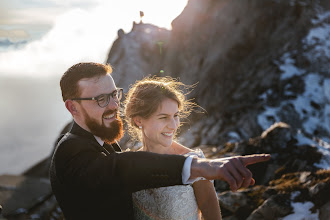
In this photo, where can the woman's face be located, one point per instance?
(158, 130)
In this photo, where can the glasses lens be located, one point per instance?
(103, 100)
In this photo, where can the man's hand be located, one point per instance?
(230, 169)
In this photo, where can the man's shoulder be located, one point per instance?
(70, 137)
(73, 142)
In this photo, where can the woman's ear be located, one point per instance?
(138, 120)
(70, 105)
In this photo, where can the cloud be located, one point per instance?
(82, 34)
(14, 35)
(78, 35)
(34, 16)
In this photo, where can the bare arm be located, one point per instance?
(231, 169)
(207, 200)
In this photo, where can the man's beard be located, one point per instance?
(109, 134)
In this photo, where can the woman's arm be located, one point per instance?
(207, 200)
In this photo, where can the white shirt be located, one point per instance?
(186, 166)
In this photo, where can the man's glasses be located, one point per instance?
(104, 99)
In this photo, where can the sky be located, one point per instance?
(60, 33)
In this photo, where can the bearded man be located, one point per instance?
(92, 179)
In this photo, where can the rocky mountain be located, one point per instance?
(262, 75)
(255, 62)
(263, 78)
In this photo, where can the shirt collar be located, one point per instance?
(99, 140)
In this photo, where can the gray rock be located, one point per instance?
(273, 208)
(232, 201)
(325, 212)
(19, 194)
(317, 188)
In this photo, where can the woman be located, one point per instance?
(153, 107)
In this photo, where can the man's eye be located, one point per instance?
(101, 98)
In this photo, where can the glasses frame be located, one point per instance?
(112, 95)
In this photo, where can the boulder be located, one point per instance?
(20, 194)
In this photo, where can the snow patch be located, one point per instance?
(319, 37)
(288, 67)
(301, 211)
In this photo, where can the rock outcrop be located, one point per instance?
(291, 179)
(255, 62)
(262, 69)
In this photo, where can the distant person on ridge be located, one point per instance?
(141, 16)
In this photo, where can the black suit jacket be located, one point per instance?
(90, 182)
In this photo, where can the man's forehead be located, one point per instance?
(98, 84)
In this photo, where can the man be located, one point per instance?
(92, 179)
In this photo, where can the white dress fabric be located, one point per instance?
(173, 202)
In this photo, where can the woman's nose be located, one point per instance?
(173, 124)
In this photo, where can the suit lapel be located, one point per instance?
(108, 148)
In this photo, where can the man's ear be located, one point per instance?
(138, 120)
(70, 105)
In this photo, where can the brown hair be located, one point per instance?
(145, 96)
(69, 80)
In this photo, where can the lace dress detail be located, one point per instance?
(173, 202)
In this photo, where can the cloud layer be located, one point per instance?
(83, 32)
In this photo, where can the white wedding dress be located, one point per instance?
(173, 202)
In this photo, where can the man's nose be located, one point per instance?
(113, 104)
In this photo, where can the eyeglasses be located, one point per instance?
(104, 99)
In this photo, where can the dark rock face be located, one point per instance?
(143, 50)
(257, 63)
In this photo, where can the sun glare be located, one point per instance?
(162, 13)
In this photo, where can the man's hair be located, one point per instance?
(69, 80)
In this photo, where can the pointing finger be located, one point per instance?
(254, 158)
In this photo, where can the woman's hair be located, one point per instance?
(145, 97)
